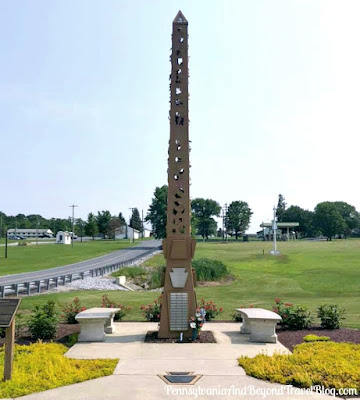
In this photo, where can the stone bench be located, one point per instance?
(95, 323)
(260, 323)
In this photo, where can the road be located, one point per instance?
(83, 266)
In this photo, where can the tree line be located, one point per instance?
(103, 223)
(203, 211)
(329, 218)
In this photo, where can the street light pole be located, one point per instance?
(73, 221)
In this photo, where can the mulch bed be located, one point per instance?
(204, 337)
(291, 338)
(63, 331)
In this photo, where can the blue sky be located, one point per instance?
(84, 100)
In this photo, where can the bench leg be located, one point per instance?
(92, 331)
(263, 331)
(246, 325)
(109, 326)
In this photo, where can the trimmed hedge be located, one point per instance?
(315, 338)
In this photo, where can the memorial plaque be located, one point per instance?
(179, 315)
(8, 308)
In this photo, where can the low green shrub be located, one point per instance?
(42, 322)
(330, 316)
(107, 303)
(70, 310)
(210, 270)
(293, 317)
(315, 338)
(72, 339)
(329, 364)
(42, 366)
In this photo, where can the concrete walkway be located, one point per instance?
(136, 375)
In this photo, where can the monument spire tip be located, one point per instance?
(180, 18)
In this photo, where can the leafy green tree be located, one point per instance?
(204, 210)
(103, 220)
(238, 218)
(157, 212)
(350, 215)
(328, 219)
(305, 218)
(135, 220)
(79, 227)
(91, 226)
(281, 207)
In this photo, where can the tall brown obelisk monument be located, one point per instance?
(178, 303)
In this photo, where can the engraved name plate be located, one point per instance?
(179, 318)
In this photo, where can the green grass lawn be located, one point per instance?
(33, 257)
(308, 273)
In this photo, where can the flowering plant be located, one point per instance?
(107, 303)
(293, 317)
(210, 308)
(152, 312)
(69, 311)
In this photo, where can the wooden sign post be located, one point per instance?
(8, 309)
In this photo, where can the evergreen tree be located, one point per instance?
(103, 220)
(135, 220)
(157, 212)
(91, 226)
(281, 207)
(121, 219)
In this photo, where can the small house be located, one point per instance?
(63, 238)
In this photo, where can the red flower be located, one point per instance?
(277, 300)
(288, 304)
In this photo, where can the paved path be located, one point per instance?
(98, 262)
(136, 375)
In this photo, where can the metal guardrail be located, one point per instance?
(35, 286)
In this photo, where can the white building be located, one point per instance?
(30, 233)
(127, 232)
(63, 238)
(147, 232)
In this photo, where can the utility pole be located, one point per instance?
(142, 224)
(224, 217)
(6, 241)
(73, 221)
(132, 215)
(37, 230)
(226, 210)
